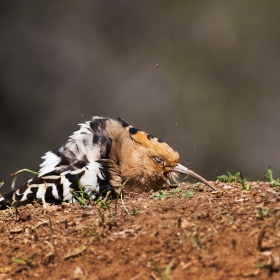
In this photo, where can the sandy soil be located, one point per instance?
(186, 233)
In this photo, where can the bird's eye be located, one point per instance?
(158, 160)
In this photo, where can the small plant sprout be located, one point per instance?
(92, 231)
(28, 262)
(177, 192)
(271, 264)
(49, 257)
(119, 195)
(104, 203)
(25, 170)
(135, 212)
(190, 194)
(20, 171)
(102, 217)
(196, 238)
(263, 265)
(180, 182)
(159, 195)
(245, 186)
(263, 213)
(228, 178)
(272, 181)
(81, 195)
(183, 193)
(13, 183)
(51, 225)
(164, 276)
(15, 206)
(236, 178)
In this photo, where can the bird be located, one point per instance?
(100, 157)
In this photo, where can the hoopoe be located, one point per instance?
(101, 156)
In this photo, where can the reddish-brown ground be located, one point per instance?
(228, 234)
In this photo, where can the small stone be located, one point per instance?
(234, 227)
(186, 224)
(78, 273)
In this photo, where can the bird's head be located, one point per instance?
(155, 158)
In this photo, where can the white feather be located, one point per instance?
(25, 194)
(50, 161)
(68, 196)
(40, 191)
(55, 192)
(89, 179)
(65, 182)
(79, 138)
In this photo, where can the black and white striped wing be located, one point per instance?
(56, 186)
(81, 161)
(84, 146)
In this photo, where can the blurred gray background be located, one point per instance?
(214, 96)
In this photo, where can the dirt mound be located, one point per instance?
(181, 233)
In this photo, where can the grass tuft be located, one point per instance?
(28, 262)
(164, 276)
(269, 175)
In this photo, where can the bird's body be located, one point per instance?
(99, 157)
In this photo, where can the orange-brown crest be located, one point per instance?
(155, 146)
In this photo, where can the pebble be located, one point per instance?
(227, 187)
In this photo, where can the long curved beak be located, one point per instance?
(182, 169)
